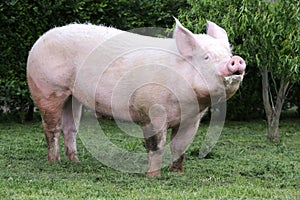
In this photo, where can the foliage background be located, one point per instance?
(22, 22)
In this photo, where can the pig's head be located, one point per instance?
(211, 55)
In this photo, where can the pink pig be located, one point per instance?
(159, 83)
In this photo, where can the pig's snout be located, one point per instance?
(236, 65)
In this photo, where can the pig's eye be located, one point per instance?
(206, 57)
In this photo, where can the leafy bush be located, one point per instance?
(294, 97)
(16, 100)
(22, 22)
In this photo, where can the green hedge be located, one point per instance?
(22, 22)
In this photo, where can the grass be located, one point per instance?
(243, 165)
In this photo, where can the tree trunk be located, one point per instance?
(273, 126)
(273, 111)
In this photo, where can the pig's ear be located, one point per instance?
(216, 31)
(185, 40)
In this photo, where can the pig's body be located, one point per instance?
(148, 80)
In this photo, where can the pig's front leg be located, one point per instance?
(155, 142)
(180, 138)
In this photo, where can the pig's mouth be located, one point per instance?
(235, 78)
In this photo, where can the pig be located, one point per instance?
(159, 83)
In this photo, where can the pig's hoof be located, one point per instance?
(177, 166)
(73, 157)
(180, 171)
(153, 173)
(53, 160)
(177, 169)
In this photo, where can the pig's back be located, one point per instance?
(56, 54)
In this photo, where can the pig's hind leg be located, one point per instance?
(70, 123)
(51, 109)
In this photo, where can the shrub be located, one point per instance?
(22, 22)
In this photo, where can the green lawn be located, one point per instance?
(243, 165)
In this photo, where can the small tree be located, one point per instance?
(274, 36)
(267, 35)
